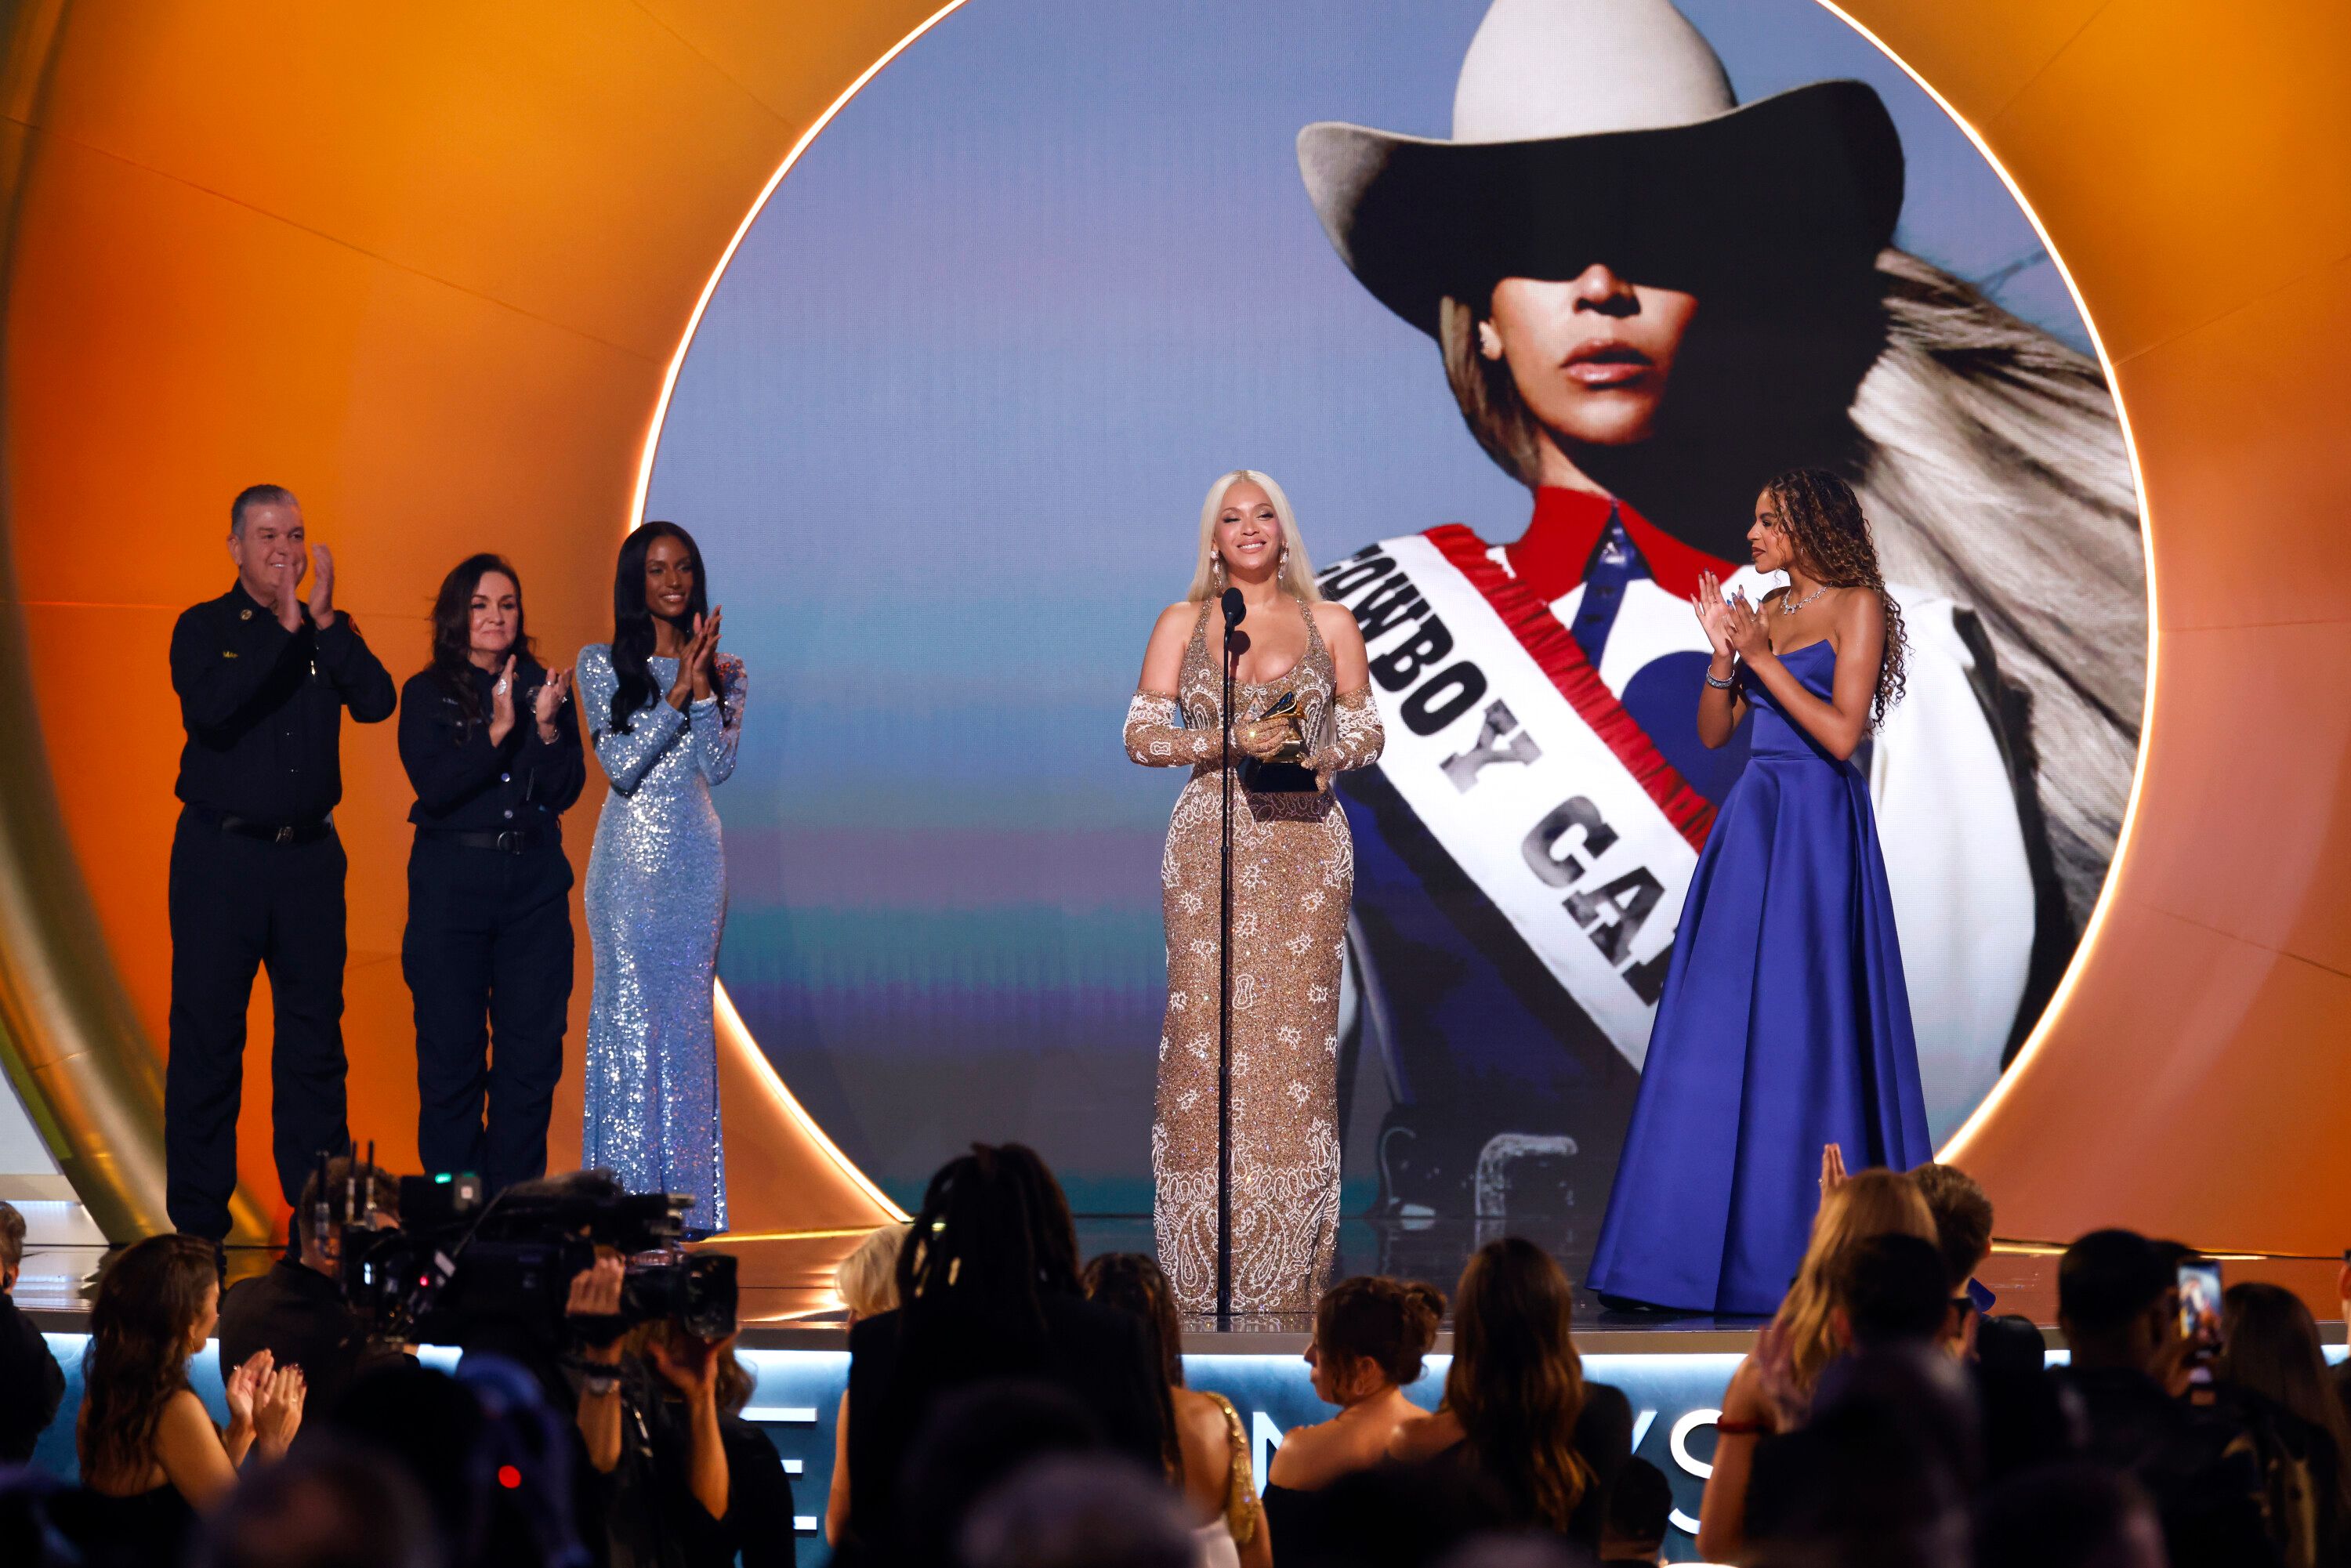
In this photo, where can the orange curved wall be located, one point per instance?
(428, 266)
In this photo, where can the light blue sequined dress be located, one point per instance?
(656, 899)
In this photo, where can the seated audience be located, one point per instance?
(2028, 1418)
(1640, 1512)
(328, 1506)
(1208, 1451)
(1396, 1515)
(1963, 1222)
(31, 1382)
(867, 1283)
(2074, 1515)
(2117, 1305)
(1772, 1390)
(1891, 1292)
(2273, 1377)
(1878, 1475)
(150, 1459)
(1370, 1336)
(294, 1309)
(1078, 1511)
(991, 1291)
(1517, 1410)
(974, 1438)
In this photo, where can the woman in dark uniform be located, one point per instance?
(490, 742)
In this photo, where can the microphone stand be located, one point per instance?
(1236, 643)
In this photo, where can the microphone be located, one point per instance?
(1234, 609)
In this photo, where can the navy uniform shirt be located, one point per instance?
(464, 782)
(263, 707)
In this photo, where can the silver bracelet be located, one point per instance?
(1723, 684)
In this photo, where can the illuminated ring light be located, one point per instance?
(2204, 1004)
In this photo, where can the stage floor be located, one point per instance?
(787, 1298)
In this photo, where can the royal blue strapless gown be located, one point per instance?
(1783, 1026)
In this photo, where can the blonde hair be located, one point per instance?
(1297, 577)
(868, 1278)
(1991, 462)
(1870, 1202)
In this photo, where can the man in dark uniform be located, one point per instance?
(264, 676)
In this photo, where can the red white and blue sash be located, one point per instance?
(1524, 766)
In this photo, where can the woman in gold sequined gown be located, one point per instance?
(1293, 873)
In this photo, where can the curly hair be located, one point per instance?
(1831, 539)
(1132, 1283)
(142, 1329)
(1386, 1323)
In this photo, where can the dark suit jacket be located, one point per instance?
(296, 1314)
(31, 1384)
(1094, 1354)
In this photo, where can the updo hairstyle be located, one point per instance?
(1388, 1322)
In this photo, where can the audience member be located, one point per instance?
(1890, 1291)
(2116, 1304)
(1963, 1222)
(1208, 1448)
(1515, 1550)
(1078, 1511)
(31, 1382)
(1397, 1516)
(2343, 1311)
(867, 1283)
(1640, 1512)
(1370, 1336)
(2028, 1418)
(1772, 1390)
(294, 1309)
(2074, 1515)
(2273, 1377)
(1878, 1475)
(151, 1459)
(328, 1506)
(990, 1291)
(1517, 1410)
(974, 1437)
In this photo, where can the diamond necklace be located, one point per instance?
(1790, 606)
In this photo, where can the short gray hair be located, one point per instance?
(256, 495)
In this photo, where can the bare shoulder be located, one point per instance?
(1308, 1457)
(1333, 619)
(1176, 621)
(1425, 1437)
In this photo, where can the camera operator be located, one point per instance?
(295, 1311)
(651, 1424)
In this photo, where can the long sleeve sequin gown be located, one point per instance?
(1293, 873)
(656, 899)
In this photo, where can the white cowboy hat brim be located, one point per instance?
(1803, 182)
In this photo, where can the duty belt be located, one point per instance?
(309, 831)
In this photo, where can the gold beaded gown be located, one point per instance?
(1294, 875)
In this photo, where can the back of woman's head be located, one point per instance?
(868, 1278)
(1376, 1322)
(2273, 1350)
(1869, 1203)
(1517, 1383)
(1133, 1284)
(142, 1325)
(993, 1238)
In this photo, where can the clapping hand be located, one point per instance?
(704, 650)
(278, 1409)
(1744, 629)
(550, 701)
(286, 575)
(1713, 614)
(502, 701)
(242, 1385)
(322, 587)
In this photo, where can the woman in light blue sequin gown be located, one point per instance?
(665, 710)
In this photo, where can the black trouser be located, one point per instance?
(487, 952)
(237, 904)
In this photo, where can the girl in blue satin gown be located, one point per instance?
(1784, 1025)
(665, 710)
